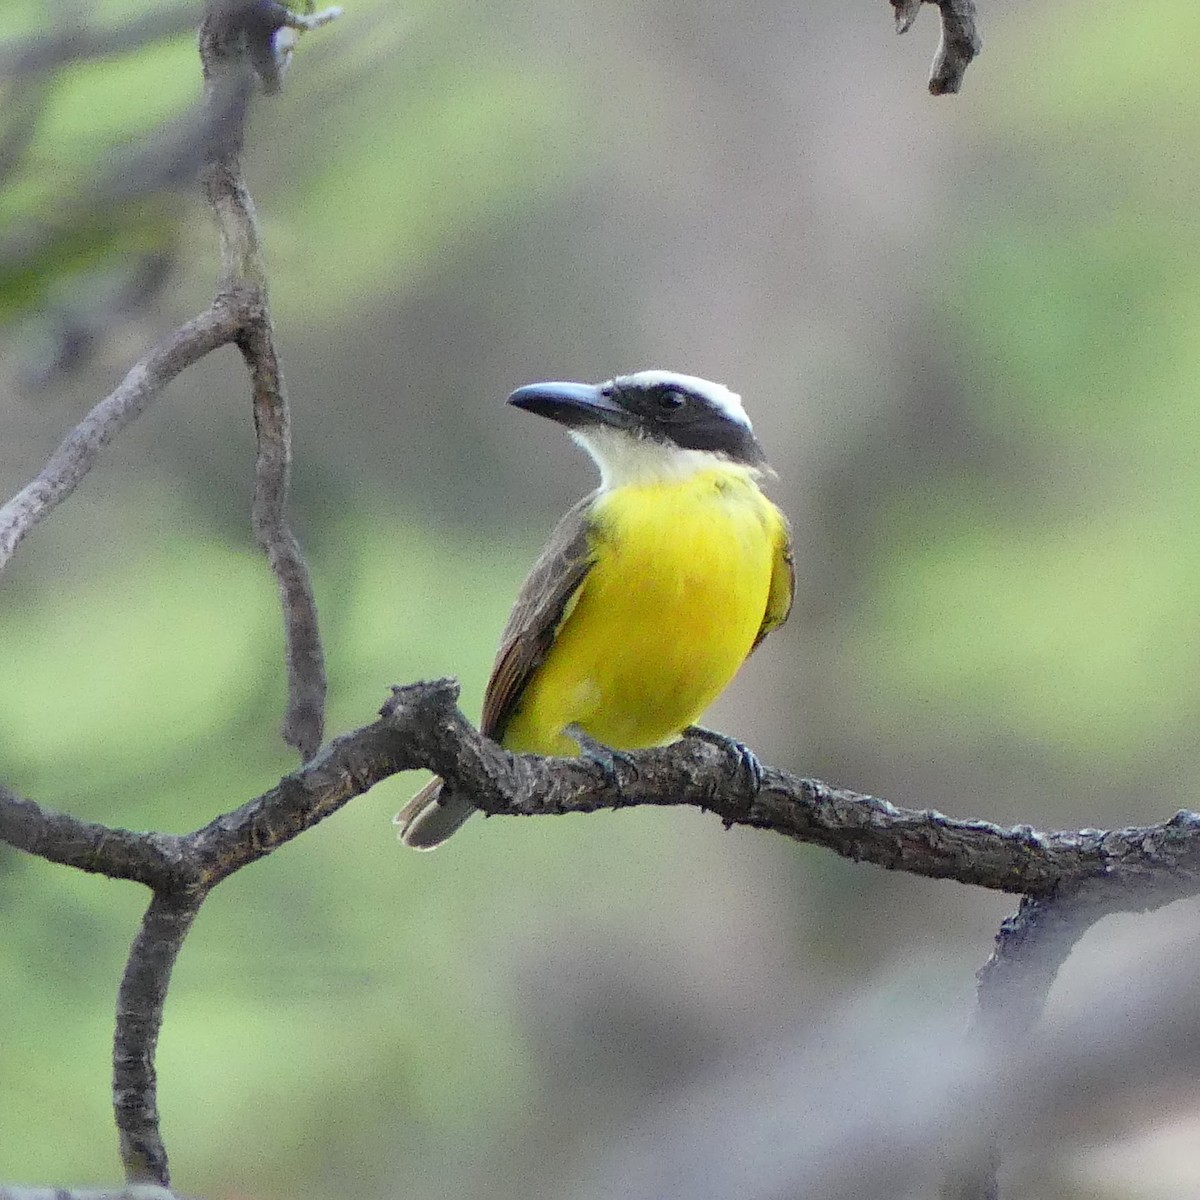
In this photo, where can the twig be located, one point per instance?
(67, 466)
(958, 45)
(140, 1003)
(306, 21)
(304, 721)
(227, 83)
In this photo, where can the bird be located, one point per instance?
(651, 591)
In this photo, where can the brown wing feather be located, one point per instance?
(783, 586)
(536, 615)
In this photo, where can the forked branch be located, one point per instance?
(1099, 871)
(1069, 878)
(235, 36)
(236, 46)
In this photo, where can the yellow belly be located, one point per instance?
(664, 619)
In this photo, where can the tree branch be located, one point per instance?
(1013, 985)
(1069, 878)
(959, 44)
(1100, 871)
(234, 35)
(236, 40)
(304, 721)
(77, 43)
(67, 466)
(150, 858)
(140, 1003)
(871, 1103)
(227, 49)
(1030, 949)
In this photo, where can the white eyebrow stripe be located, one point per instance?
(717, 394)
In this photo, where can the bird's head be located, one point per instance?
(650, 425)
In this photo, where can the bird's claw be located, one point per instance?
(744, 757)
(602, 756)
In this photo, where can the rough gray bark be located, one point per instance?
(1068, 878)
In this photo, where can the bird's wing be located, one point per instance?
(542, 604)
(783, 583)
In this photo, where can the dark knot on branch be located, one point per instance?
(419, 701)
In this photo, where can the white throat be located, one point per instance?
(626, 459)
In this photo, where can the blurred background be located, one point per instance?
(968, 332)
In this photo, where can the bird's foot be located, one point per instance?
(602, 756)
(744, 757)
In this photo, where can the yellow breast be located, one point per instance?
(664, 618)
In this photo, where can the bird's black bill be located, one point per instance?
(572, 404)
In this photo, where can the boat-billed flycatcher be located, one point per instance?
(652, 590)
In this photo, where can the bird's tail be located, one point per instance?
(431, 816)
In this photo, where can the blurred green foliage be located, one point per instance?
(1047, 599)
(423, 178)
(414, 176)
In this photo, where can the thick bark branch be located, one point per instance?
(140, 1003)
(150, 858)
(1099, 871)
(1069, 878)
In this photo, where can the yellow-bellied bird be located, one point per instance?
(651, 592)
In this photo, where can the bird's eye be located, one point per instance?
(671, 400)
